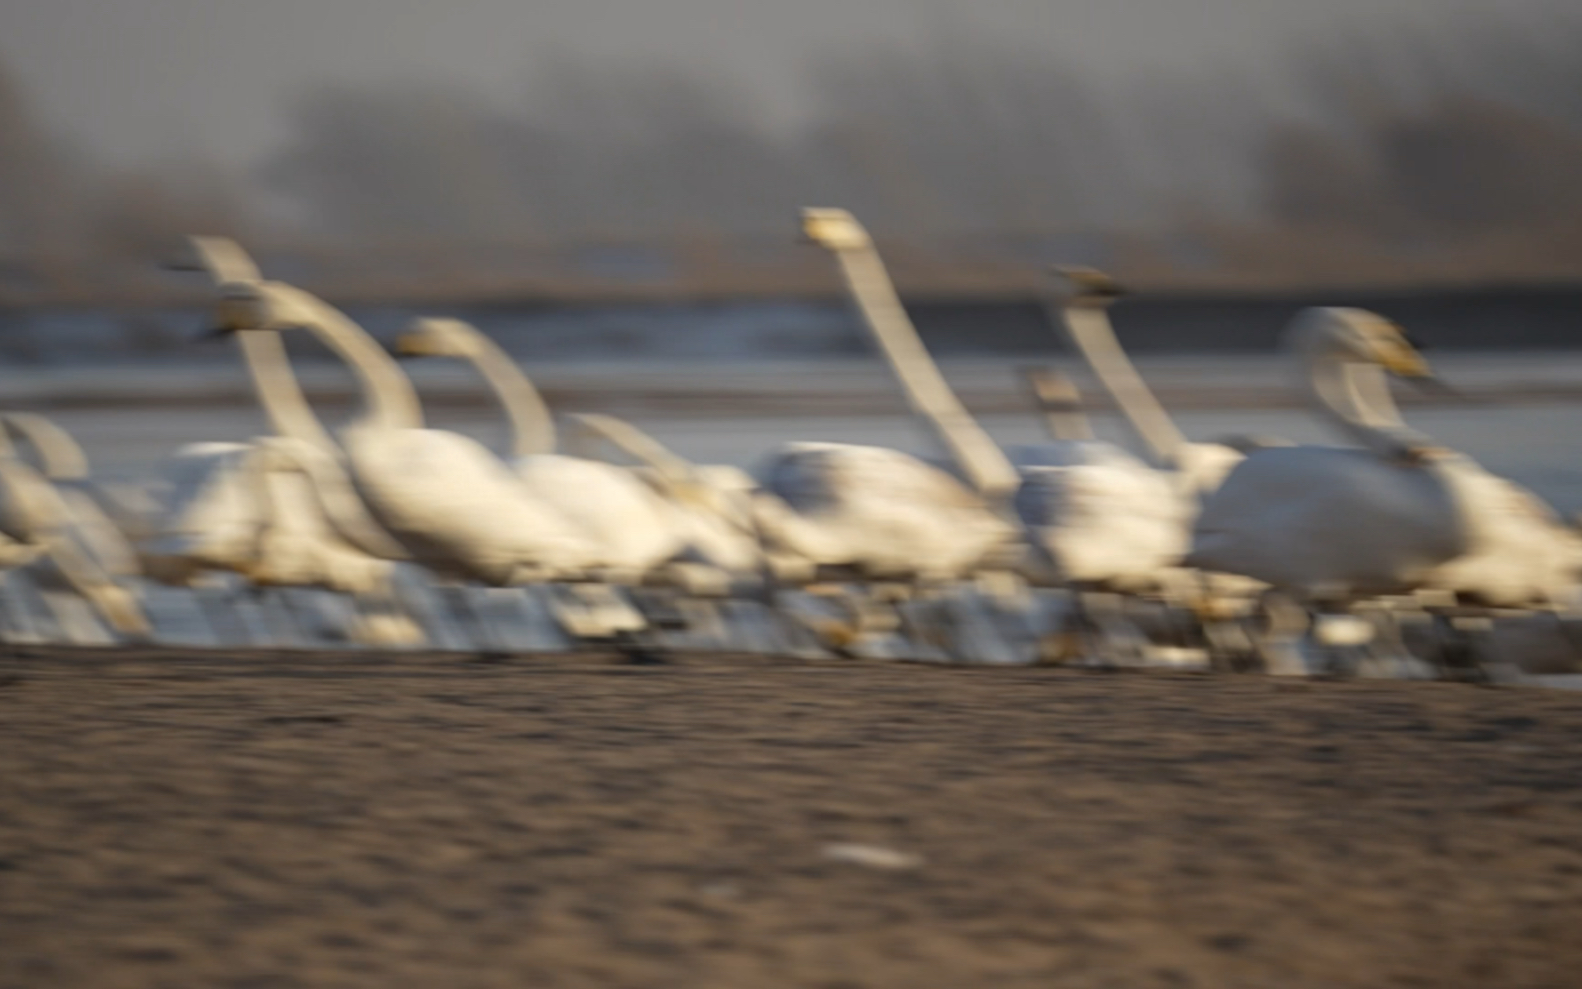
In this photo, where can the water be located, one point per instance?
(1537, 446)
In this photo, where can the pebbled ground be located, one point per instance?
(176, 820)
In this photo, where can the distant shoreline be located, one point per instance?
(1510, 319)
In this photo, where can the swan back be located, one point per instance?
(878, 509)
(632, 526)
(1099, 514)
(1329, 521)
(459, 509)
(1518, 551)
(212, 517)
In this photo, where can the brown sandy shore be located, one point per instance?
(263, 821)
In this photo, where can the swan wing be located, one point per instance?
(628, 523)
(457, 508)
(889, 511)
(1104, 522)
(1518, 551)
(1322, 519)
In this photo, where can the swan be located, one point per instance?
(277, 511)
(632, 526)
(886, 511)
(1394, 514)
(1103, 514)
(54, 536)
(449, 503)
(102, 521)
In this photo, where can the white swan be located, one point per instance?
(886, 511)
(1103, 508)
(630, 524)
(450, 503)
(63, 463)
(41, 529)
(1395, 514)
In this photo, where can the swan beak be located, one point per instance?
(410, 345)
(1085, 286)
(1405, 362)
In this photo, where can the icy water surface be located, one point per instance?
(1538, 446)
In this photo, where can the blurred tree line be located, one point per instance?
(1380, 157)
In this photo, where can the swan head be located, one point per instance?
(1358, 335)
(1080, 286)
(221, 258)
(430, 337)
(834, 229)
(243, 305)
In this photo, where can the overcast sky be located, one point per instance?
(130, 78)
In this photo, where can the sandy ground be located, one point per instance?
(332, 821)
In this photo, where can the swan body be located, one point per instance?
(1392, 515)
(457, 509)
(880, 511)
(1097, 514)
(275, 511)
(627, 521)
(1100, 515)
(64, 465)
(211, 518)
(711, 505)
(42, 532)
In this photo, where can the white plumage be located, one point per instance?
(1395, 515)
(629, 525)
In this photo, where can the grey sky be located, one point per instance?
(135, 79)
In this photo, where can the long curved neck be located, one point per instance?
(986, 466)
(586, 426)
(1355, 396)
(532, 428)
(60, 455)
(278, 390)
(1090, 330)
(1061, 405)
(389, 400)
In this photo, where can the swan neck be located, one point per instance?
(985, 465)
(61, 457)
(278, 390)
(1355, 396)
(337, 498)
(389, 400)
(631, 441)
(532, 428)
(1090, 330)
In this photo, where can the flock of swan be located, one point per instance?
(1387, 556)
